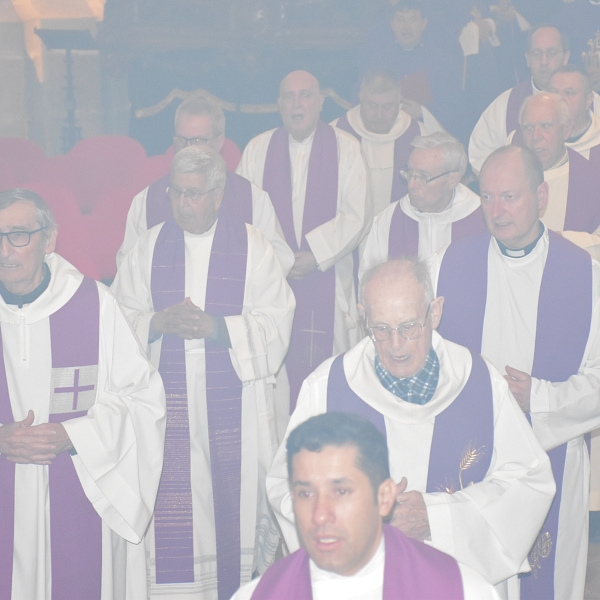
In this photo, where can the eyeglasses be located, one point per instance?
(19, 239)
(408, 174)
(409, 331)
(191, 194)
(550, 54)
(181, 141)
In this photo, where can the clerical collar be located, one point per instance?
(19, 300)
(448, 206)
(521, 252)
(576, 138)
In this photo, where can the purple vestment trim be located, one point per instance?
(404, 231)
(224, 297)
(402, 150)
(312, 332)
(76, 559)
(566, 289)
(412, 571)
(583, 204)
(466, 425)
(515, 101)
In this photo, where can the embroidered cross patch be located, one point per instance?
(73, 389)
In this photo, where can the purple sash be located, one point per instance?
(412, 570)
(158, 207)
(224, 297)
(515, 101)
(583, 205)
(402, 150)
(404, 231)
(463, 429)
(312, 332)
(566, 289)
(76, 559)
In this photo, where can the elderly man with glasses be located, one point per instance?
(207, 296)
(473, 480)
(438, 208)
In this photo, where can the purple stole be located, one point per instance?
(566, 289)
(158, 206)
(463, 430)
(75, 526)
(583, 205)
(404, 231)
(402, 150)
(224, 297)
(312, 332)
(412, 570)
(515, 101)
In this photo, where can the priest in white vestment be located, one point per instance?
(505, 297)
(385, 132)
(200, 121)
(435, 202)
(318, 182)
(339, 477)
(547, 52)
(476, 484)
(245, 338)
(82, 415)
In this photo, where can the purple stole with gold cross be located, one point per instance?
(404, 231)
(312, 332)
(566, 289)
(173, 516)
(412, 570)
(75, 527)
(463, 433)
(402, 150)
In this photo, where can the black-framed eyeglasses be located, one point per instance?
(409, 331)
(19, 239)
(191, 194)
(182, 142)
(408, 174)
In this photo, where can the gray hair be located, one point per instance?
(534, 171)
(453, 152)
(201, 105)
(380, 82)
(202, 161)
(561, 106)
(397, 268)
(43, 214)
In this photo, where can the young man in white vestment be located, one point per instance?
(339, 476)
(385, 132)
(200, 121)
(573, 206)
(205, 293)
(548, 50)
(437, 209)
(318, 182)
(473, 480)
(82, 421)
(529, 301)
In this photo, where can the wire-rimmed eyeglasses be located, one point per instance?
(408, 174)
(409, 331)
(191, 194)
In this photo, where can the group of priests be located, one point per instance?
(368, 266)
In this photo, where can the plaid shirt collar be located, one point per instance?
(418, 389)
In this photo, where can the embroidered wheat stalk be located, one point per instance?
(470, 457)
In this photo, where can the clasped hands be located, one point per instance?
(186, 320)
(25, 443)
(409, 514)
(304, 263)
(519, 384)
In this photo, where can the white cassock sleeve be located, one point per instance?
(562, 411)
(120, 441)
(490, 131)
(588, 241)
(135, 225)
(377, 242)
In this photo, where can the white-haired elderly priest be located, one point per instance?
(82, 421)
(475, 481)
(205, 292)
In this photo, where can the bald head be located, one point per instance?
(300, 103)
(547, 51)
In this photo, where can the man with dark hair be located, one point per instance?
(528, 300)
(339, 474)
(82, 421)
(475, 481)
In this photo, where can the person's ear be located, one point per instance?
(542, 195)
(362, 312)
(436, 310)
(51, 242)
(219, 192)
(386, 497)
(217, 142)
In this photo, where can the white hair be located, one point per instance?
(203, 161)
(453, 153)
(561, 106)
